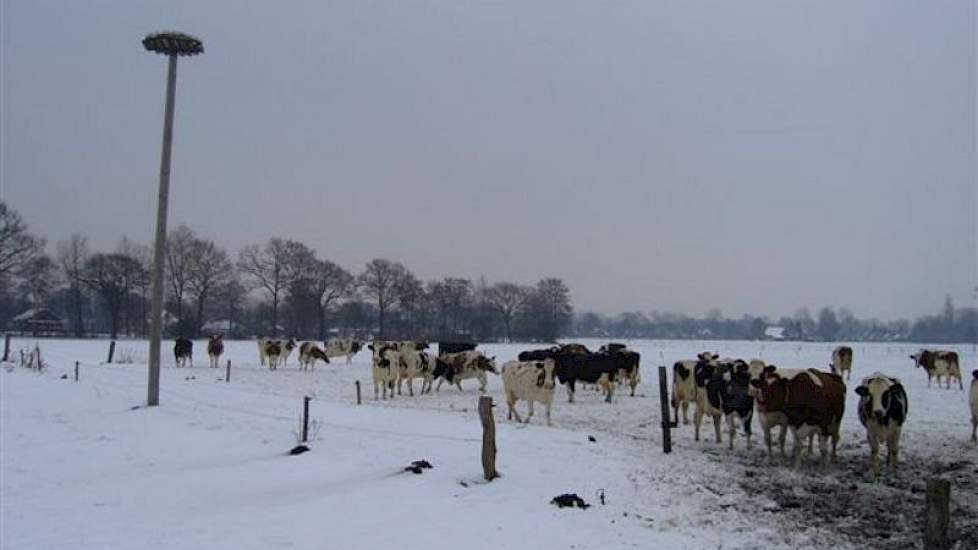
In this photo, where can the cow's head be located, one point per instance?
(355, 346)
(975, 374)
(920, 358)
(768, 388)
(707, 356)
(877, 394)
(486, 363)
(290, 345)
(545, 374)
(441, 368)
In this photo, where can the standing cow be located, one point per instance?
(342, 347)
(842, 361)
(882, 410)
(309, 352)
(528, 381)
(729, 391)
(215, 348)
(683, 388)
(183, 352)
(455, 367)
(939, 363)
(813, 402)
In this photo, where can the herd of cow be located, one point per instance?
(806, 402)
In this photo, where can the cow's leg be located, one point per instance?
(811, 440)
(675, 406)
(411, 386)
(376, 389)
(611, 392)
(685, 406)
(511, 403)
(960, 384)
(438, 387)
(483, 380)
(529, 415)
(974, 429)
(747, 434)
(633, 382)
(697, 421)
(782, 436)
(548, 405)
(874, 454)
(823, 448)
(731, 429)
(716, 427)
(570, 391)
(458, 382)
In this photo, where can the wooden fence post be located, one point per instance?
(305, 418)
(488, 438)
(227, 373)
(76, 371)
(938, 519)
(667, 423)
(6, 346)
(358, 392)
(111, 351)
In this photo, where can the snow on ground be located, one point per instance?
(85, 465)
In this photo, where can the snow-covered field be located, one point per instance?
(85, 465)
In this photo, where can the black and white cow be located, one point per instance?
(309, 352)
(445, 348)
(728, 390)
(384, 367)
(183, 352)
(973, 402)
(285, 348)
(342, 347)
(883, 406)
(415, 364)
(628, 364)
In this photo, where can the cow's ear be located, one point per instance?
(862, 391)
(898, 387)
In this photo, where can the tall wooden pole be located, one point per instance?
(667, 423)
(156, 315)
(488, 438)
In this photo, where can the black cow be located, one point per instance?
(593, 368)
(882, 410)
(183, 351)
(455, 347)
(627, 361)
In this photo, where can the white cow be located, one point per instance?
(882, 410)
(528, 381)
(272, 351)
(285, 349)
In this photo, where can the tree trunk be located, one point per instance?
(321, 311)
(380, 318)
(115, 321)
(509, 333)
(79, 315)
(200, 316)
(275, 315)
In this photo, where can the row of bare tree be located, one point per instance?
(281, 286)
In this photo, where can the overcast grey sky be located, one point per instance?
(750, 156)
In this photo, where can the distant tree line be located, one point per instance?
(283, 287)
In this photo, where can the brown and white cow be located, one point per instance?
(183, 352)
(939, 363)
(455, 367)
(215, 348)
(683, 388)
(285, 348)
(813, 402)
(271, 350)
(973, 401)
(342, 347)
(842, 361)
(882, 410)
(772, 419)
(309, 352)
(528, 381)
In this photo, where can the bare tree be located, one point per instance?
(266, 268)
(179, 258)
(331, 283)
(230, 296)
(380, 280)
(72, 255)
(40, 278)
(209, 268)
(138, 282)
(110, 276)
(507, 299)
(17, 246)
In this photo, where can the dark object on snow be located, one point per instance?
(601, 496)
(417, 466)
(298, 450)
(570, 500)
(64, 376)
(591, 439)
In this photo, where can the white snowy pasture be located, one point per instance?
(86, 465)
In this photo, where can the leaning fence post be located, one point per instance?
(227, 373)
(76, 371)
(358, 392)
(6, 346)
(667, 423)
(488, 438)
(938, 521)
(305, 418)
(111, 351)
